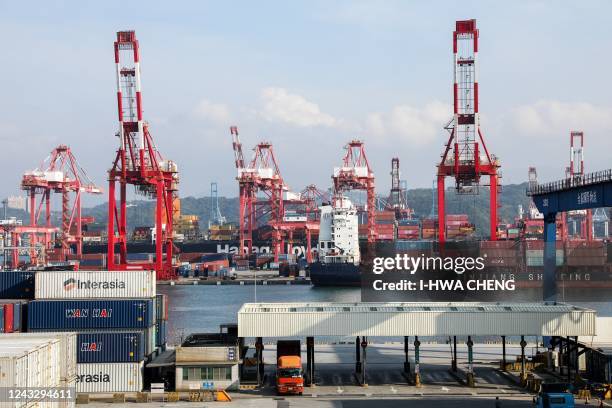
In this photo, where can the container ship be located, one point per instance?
(339, 256)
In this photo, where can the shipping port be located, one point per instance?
(261, 296)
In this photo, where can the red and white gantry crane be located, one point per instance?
(356, 174)
(139, 163)
(60, 173)
(463, 157)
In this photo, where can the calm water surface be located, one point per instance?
(203, 308)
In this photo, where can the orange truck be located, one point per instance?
(289, 375)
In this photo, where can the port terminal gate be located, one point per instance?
(363, 321)
(582, 192)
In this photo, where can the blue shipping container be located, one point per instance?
(160, 332)
(91, 314)
(16, 285)
(111, 347)
(1, 319)
(161, 307)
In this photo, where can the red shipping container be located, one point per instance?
(8, 318)
(585, 244)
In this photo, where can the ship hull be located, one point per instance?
(335, 274)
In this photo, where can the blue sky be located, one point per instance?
(307, 76)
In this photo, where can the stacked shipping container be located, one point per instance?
(114, 316)
(408, 229)
(458, 226)
(384, 225)
(586, 253)
(429, 227)
(161, 322)
(65, 361)
(16, 287)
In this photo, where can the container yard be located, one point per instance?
(183, 262)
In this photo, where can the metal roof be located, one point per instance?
(413, 318)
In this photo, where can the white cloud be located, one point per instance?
(411, 124)
(282, 106)
(551, 118)
(214, 112)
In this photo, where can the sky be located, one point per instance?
(307, 76)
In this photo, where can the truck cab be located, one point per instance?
(289, 375)
(555, 396)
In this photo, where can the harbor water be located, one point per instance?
(202, 308)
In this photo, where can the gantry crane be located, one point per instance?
(397, 197)
(356, 174)
(462, 157)
(311, 197)
(60, 173)
(138, 163)
(262, 174)
(215, 217)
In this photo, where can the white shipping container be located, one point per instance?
(109, 377)
(68, 348)
(31, 363)
(43, 357)
(70, 384)
(94, 284)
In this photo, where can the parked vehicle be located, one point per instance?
(289, 374)
(555, 396)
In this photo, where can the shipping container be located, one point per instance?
(68, 348)
(401, 246)
(16, 285)
(94, 284)
(535, 257)
(160, 333)
(586, 260)
(161, 307)
(1, 320)
(32, 362)
(111, 347)
(109, 377)
(90, 314)
(9, 315)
